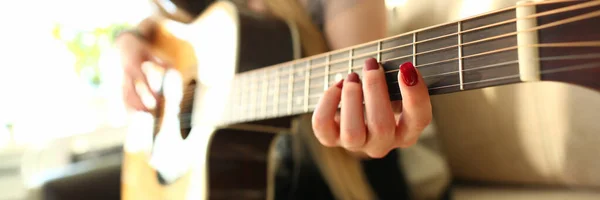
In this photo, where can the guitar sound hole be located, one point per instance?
(186, 108)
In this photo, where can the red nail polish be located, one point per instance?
(340, 84)
(371, 64)
(353, 77)
(409, 74)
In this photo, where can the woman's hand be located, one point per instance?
(134, 51)
(373, 128)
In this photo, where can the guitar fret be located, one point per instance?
(265, 93)
(432, 50)
(236, 100)
(326, 84)
(460, 65)
(242, 112)
(290, 89)
(414, 49)
(230, 101)
(350, 60)
(379, 51)
(253, 93)
(306, 85)
(276, 95)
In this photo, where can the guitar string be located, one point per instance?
(304, 70)
(560, 22)
(559, 10)
(320, 84)
(375, 52)
(300, 109)
(186, 116)
(358, 67)
(585, 56)
(319, 92)
(555, 11)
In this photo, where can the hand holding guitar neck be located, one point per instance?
(371, 128)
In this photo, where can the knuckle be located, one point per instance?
(380, 128)
(353, 137)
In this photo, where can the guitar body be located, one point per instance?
(164, 157)
(183, 150)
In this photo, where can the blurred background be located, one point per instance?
(61, 110)
(60, 84)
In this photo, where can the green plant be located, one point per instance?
(88, 46)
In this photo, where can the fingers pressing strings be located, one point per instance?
(366, 121)
(416, 106)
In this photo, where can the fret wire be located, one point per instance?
(499, 50)
(244, 97)
(306, 85)
(422, 65)
(253, 93)
(229, 100)
(427, 64)
(460, 60)
(290, 90)
(276, 97)
(326, 83)
(444, 86)
(233, 99)
(350, 60)
(265, 93)
(484, 53)
(490, 66)
(555, 11)
(379, 51)
(414, 49)
(311, 86)
(238, 99)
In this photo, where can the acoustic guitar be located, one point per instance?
(238, 77)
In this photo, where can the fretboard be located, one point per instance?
(469, 54)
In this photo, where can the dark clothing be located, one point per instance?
(193, 7)
(304, 180)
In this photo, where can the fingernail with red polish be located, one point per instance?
(340, 84)
(409, 74)
(371, 64)
(353, 77)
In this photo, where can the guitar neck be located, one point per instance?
(478, 52)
